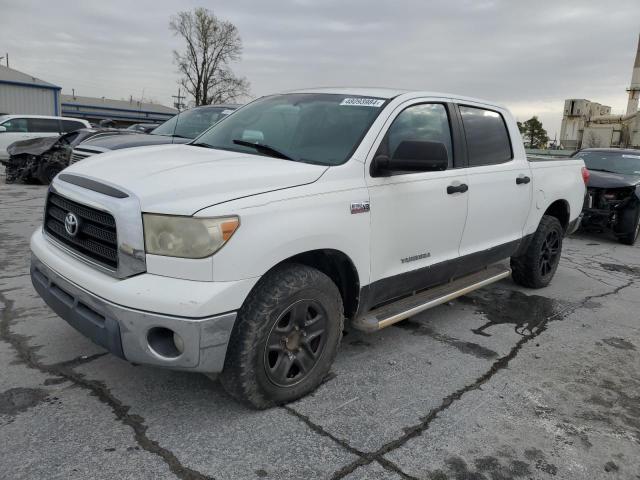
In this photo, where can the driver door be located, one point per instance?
(417, 220)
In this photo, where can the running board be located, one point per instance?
(407, 307)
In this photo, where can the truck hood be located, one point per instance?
(182, 179)
(612, 180)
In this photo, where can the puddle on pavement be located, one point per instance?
(620, 343)
(470, 348)
(16, 400)
(626, 269)
(528, 313)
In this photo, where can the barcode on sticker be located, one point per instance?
(362, 102)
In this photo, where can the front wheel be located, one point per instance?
(46, 173)
(633, 222)
(537, 265)
(285, 338)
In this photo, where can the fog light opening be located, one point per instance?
(164, 342)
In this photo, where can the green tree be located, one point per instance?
(211, 46)
(533, 134)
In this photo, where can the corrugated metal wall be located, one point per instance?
(27, 100)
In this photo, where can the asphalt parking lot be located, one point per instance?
(506, 383)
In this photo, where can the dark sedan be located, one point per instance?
(613, 191)
(182, 128)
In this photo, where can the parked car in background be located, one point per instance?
(143, 127)
(21, 127)
(613, 191)
(38, 160)
(182, 128)
(243, 252)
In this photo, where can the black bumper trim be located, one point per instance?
(101, 329)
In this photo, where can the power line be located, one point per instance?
(178, 103)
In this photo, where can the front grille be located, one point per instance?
(96, 237)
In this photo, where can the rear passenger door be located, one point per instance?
(499, 184)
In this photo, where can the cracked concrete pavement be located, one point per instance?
(505, 383)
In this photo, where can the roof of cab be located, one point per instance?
(387, 93)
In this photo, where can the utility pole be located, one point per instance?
(178, 103)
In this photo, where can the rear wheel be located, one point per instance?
(285, 338)
(537, 265)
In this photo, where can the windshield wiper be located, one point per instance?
(262, 148)
(600, 170)
(200, 144)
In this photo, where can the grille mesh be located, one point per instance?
(96, 237)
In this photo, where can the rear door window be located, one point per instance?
(487, 136)
(43, 125)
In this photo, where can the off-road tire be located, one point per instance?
(526, 268)
(634, 227)
(245, 375)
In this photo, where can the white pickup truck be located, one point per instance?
(243, 253)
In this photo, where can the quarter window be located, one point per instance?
(487, 137)
(16, 125)
(426, 122)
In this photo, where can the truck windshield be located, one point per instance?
(625, 163)
(306, 127)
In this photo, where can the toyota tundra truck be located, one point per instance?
(242, 254)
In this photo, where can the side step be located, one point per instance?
(407, 307)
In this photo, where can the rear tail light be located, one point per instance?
(585, 175)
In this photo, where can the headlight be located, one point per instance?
(186, 237)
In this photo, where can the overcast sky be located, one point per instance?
(529, 55)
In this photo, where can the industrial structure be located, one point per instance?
(23, 94)
(587, 124)
(122, 112)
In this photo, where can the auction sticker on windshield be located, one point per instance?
(363, 102)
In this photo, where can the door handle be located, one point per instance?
(463, 187)
(522, 180)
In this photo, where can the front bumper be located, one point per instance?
(125, 331)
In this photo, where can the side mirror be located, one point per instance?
(3, 129)
(413, 156)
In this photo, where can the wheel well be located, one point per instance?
(560, 210)
(339, 268)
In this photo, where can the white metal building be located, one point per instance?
(23, 94)
(122, 112)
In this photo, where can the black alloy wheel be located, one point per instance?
(549, 253)
(295, 343)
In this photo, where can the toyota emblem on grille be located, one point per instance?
(71, 224)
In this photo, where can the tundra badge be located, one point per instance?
(360, 207)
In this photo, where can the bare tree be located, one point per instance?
(211, 46)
